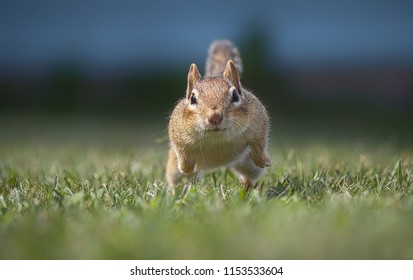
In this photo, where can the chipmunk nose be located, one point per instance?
(215, 118)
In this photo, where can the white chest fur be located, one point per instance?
(215, 150)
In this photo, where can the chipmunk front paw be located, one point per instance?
(186, 168)
(268, 163)
(261, 160)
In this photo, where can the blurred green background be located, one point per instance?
(345, 66)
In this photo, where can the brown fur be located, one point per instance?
(215, 131)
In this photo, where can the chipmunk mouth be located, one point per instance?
(216, 129)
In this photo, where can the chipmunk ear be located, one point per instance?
(193, 77)
(231, 73)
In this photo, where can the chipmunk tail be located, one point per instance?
(219, 52)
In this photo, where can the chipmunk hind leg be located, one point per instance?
(248, 172)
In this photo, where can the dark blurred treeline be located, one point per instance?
(355, 94)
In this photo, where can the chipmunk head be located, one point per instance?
(216, 104)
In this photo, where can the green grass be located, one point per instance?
(97, 191)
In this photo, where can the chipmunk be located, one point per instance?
(218, 123)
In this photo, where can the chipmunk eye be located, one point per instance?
(193, 99)
(235, 96)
